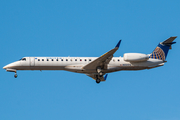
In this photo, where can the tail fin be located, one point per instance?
(162, 49)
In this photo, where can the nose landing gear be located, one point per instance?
(15, 75)
(12, 70)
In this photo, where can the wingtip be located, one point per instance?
(118, 44)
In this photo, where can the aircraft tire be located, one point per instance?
(15, 75)
(98, 81)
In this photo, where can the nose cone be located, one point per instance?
(5, 67)
(8, 66)
(12, 65)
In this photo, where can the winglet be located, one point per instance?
(105, 77)
(118, 44)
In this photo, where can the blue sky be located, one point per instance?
(88, 28)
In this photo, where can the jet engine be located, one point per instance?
(135, 57)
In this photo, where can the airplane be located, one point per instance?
(97, 67)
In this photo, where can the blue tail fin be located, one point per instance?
(162, 49)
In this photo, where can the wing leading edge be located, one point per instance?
(103, 60)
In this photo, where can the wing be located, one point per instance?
(103, 60)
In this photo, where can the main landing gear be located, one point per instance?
(98, 80)
(99, 71)
(100, 74)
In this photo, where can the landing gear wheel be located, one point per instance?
(99, 71)
(98, 81)
(100, 74)
(15, 75)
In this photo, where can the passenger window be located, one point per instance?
(80, 59)
(75, 59)
(61, 59)
(56, 59)
(71, 59)
(113, 60)
(89, 59)
(47, 59)
(118, 60)
(66, 59)
(52, 59)
(42, 59)
(38, 59)
(85, 60)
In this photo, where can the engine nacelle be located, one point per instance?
(135, 57)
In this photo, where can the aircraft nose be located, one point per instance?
(5, 67)
(11, 65)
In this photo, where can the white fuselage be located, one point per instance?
(76, 64)
(96, 67)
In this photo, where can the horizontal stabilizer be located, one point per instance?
(169, 41)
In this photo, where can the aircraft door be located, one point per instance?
(32, 61)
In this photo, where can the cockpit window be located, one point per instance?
(23, 59)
